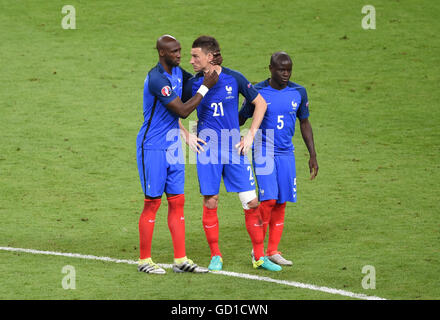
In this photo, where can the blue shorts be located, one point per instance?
(237, 177)
(280, 183)
(158, 174)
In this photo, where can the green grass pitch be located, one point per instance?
(71, 107)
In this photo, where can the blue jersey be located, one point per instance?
(218, 110)
(283, 107)
(160, 129)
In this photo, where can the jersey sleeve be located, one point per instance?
(245, 87)
(247, 109)
(187, 89)
(160, 87)
(185, 76)
(303, 110)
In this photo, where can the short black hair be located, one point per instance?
(280, 55)
(207, 44)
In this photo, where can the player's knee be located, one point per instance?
(152, 198)
(248, 199)
(211, 202)
(280, 205)
(253, 203)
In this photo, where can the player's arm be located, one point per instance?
(307, 132)
(260, 109)
(183, 110)
(307, 135)
(246, 111)
(191, 139)
(258, 115)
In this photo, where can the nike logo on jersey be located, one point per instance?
(209, 227)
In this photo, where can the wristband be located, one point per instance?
(203, 90)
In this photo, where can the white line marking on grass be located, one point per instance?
(300, 285)
(225, 273)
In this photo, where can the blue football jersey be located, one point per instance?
(160, 129)
(218, 110)
(283, 107)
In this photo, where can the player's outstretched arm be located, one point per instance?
(307, 134)
(183, 110)
(260, 110)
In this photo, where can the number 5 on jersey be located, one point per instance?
(217, 107)
(280, 122)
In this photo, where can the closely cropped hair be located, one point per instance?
(277, 56)
(207, 44)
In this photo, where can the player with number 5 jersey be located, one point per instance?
(286, 102)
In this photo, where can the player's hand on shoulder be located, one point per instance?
(210, 79)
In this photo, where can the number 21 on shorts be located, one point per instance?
(251, 176)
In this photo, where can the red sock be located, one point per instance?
(254, 226)
(210, 225)
(266, 207)
(146, 226)
(276, 226)
(176, 224)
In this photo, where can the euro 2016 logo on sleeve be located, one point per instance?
(166, 91)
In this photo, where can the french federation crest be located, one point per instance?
(294, 105)
(229, 92)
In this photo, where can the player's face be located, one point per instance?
(281, 72)
(172, 53)
(200, 60)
